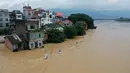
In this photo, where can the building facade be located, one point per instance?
(35, 35)
(48, 17)
(4, 18)
(15, 16)
(28, 30)
(27, 12)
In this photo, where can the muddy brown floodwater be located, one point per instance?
(104, 50)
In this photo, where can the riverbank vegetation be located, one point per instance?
(81, 22)
(121, 19)
(82, 17)
(55, 36)
(70, 32)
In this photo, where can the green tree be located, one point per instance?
(55, 36)
(82, 17)
(80, 29)
(70, 31)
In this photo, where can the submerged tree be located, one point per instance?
(70, 32)
(82, 17)
(55, 36)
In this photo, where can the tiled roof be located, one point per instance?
(59, 14)
(14, 39)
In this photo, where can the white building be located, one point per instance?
(47, 17)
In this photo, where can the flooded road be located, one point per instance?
(104, 50)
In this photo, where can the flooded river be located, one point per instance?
(104, 50)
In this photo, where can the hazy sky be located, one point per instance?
(86, 4)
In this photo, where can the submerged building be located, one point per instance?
(26, 33)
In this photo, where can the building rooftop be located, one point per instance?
(59, 14)
(17, 11)
(28, 7)
(14, 39)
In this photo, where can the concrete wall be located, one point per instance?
(20, 28)
(8, 44)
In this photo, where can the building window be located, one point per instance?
(40, 44)
(32, 45)
(39, 35)
(35, 36)
(1, 25)
(48, 13)
(31, 36)
(5, 14)
(0, 14)
(32, 27)
(11, 17)
(1, 19)
(50, 16)
(6, 19)
(7, 24)
(19, 16)
(42, 19)
(29, 13)
(48, 19)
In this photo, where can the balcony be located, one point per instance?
(36, 36)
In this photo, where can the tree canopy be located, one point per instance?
(70, 32)
(82, 17)
(55, 36)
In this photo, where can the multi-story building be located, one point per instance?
(48, 17)
(37, 12)
(27, 35)
(4, 18)
(34, 33)
(15, 15)
(27, 12)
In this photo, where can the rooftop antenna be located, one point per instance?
(28, 4)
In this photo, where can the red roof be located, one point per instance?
(59, 14)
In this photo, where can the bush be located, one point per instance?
(80, 29)
(55, 36)
(70, 31)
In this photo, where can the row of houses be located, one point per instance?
(27, 26)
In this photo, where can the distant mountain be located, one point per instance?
(104, 14)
